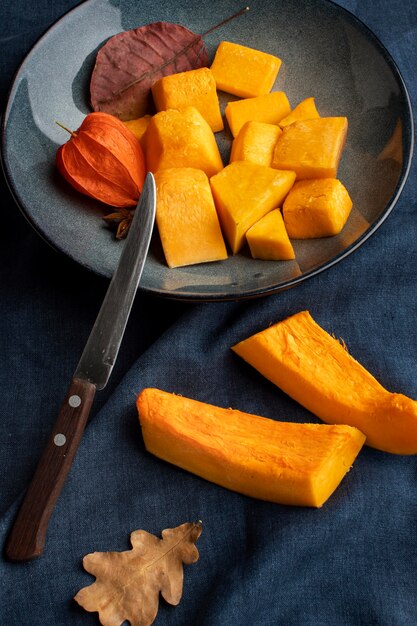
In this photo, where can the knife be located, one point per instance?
(28, 534)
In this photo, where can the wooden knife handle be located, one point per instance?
(28, 534)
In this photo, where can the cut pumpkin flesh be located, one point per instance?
(287, 463)
(311, 148)
(244, 192)
(186, 217)
(305, 110)
(312, 367)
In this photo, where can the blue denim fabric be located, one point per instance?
(351, 563)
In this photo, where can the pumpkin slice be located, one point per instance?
(315, 369)
(288, 463)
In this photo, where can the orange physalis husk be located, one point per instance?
(104, 160)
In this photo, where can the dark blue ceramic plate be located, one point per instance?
(327, 53)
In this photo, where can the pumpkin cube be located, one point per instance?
(193, 88)
(186, 217)
(316, 208)
(244, 71)
(311, 148)
(268, 239)
(305, 110)
(181, 139)
(269, 108)
(255, 142)
(139, 127)
(243, 193)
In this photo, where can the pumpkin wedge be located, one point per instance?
(268, 239)
(305, 110)
(287, 463)
(315, 369)
(244, 192)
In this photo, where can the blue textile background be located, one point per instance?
(353, 562)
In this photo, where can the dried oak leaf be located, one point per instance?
(128, 583)
(130, 62)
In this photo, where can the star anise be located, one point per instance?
(121, 220)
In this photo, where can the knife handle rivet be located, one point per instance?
(74, 401)
(60, 439)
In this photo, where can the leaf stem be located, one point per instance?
(232, 17)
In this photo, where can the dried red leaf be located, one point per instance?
(130, 62)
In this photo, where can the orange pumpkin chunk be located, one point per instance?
(269, 108)
(186, 218)
(181, 139)
(311, 148)
(284, 462)
(316, 208)
(193, 88)
(268, 238)
(139, 127)
(244, 71)
(255, 142)
(317, 371)
(305, 110)
(244, 192)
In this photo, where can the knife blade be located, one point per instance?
(28, 534)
